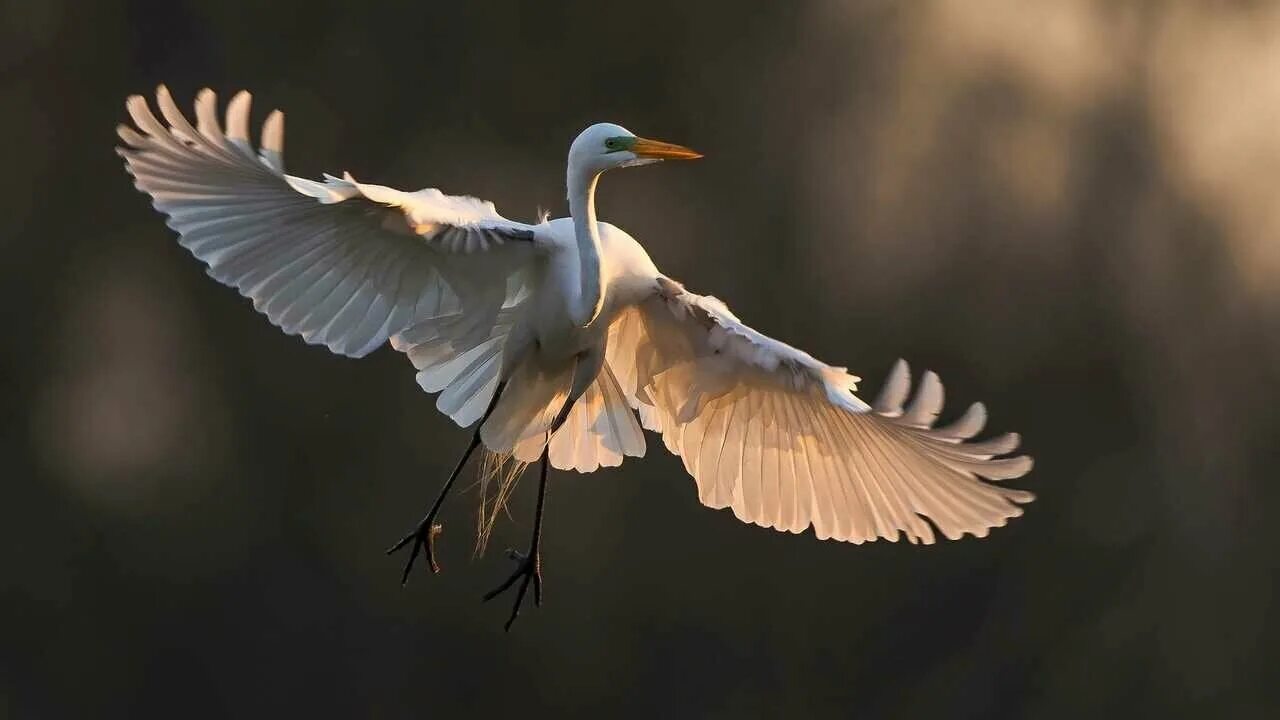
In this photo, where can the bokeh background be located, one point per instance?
(1068, 209)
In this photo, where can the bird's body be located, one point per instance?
(628, 276)
(551, 337)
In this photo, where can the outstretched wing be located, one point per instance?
(779, 437)
(341, 263)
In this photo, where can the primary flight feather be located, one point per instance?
(552, 337)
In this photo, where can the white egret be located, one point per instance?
(549, 337)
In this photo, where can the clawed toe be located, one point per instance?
(528, 569)
(422, 536)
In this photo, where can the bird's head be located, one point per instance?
(605, 146)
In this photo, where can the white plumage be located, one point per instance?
(568, 311)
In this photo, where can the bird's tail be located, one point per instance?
(531, 398)
(600, 429)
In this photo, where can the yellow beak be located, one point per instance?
(646, 148)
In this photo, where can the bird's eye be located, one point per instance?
(611, 143)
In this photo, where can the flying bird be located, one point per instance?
(559, 341)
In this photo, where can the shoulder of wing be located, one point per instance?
(719, 331)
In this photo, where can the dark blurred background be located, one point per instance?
(1068, 209)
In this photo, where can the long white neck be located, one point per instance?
(584, 308)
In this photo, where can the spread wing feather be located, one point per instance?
(779, 437)
(341, 263)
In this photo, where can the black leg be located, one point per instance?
(529, 568)
(425, 533)
(530, 565)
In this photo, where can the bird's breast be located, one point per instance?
(556, 335)
(626, 277)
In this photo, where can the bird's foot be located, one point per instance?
(528, 569)
(422, 536)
